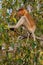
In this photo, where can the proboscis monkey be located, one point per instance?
(27, 21)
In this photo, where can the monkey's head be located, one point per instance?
(22, 11)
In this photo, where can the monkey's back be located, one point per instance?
(30, 23)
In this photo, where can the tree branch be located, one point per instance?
(39, 38)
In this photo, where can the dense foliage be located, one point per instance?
(15, 51)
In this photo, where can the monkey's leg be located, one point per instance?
(33, 36)
(27, 37)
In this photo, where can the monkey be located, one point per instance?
(27, 21)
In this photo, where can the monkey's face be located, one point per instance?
(21, 12)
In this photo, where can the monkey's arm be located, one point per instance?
(19, 23)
